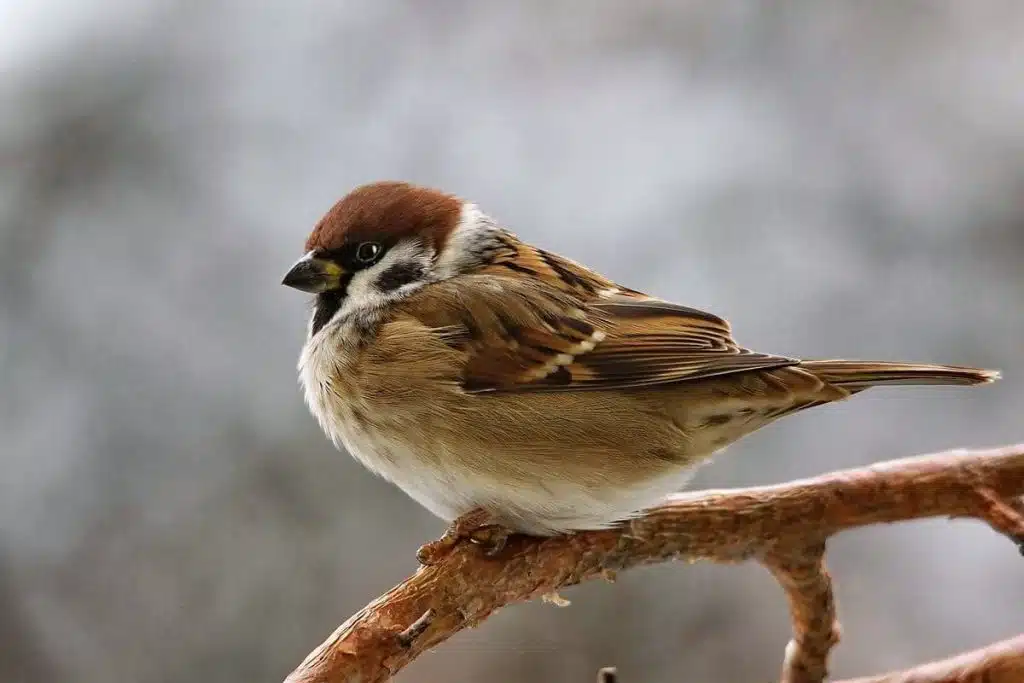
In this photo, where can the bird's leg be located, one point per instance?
(477, 525)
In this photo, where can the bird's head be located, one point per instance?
(383, 241)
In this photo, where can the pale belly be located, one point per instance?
(537, 503)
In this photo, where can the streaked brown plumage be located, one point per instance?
(478, 372)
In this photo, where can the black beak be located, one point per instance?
(313, 275)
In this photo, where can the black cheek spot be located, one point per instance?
(398, 275)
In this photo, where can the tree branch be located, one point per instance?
(784, 527)
(800, 570)
(1001, 662)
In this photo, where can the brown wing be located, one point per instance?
(518, 334)
(650, 342)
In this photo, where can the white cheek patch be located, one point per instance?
(403, 269)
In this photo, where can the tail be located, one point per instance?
(857, 375)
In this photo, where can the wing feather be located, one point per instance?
(517, 334)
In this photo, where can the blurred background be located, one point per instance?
(838, 179)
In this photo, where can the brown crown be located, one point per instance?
(387, 212)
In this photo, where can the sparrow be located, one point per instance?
(510, 389)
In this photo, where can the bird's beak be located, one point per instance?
(314, 275)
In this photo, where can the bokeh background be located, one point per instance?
(839, 179)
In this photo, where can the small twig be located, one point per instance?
(800, 570)
(784, 526)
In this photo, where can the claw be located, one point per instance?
(492, 539)
(477, 526)
(431, 553)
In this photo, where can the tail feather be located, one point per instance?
(856, 375)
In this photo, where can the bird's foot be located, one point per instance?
(478, 526)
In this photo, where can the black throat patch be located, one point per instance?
(327, 304)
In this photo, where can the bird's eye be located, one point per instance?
(368, 252)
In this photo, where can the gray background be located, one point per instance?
(839, 179)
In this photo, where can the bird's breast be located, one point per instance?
(380, 436)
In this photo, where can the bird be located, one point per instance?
(511, 390)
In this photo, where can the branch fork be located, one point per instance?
(784, 527)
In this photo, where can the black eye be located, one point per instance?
(368, 252)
